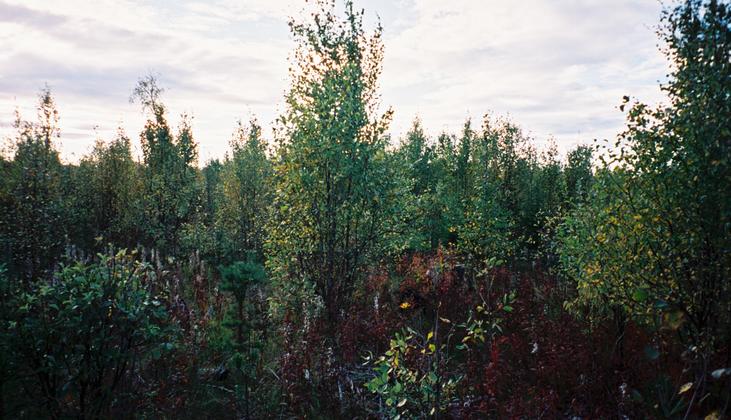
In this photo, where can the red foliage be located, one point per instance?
(545, 363)
(548, 364)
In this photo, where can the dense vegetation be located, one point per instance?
(333, 272)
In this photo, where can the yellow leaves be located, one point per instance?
(592, 269)
(673, 320)
(601, 237)
(685, 388)
(405, 305)
(429, 336)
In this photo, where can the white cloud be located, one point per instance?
(558, 68)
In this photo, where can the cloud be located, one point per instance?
(24, 15)
(558, 68)
(217, 62)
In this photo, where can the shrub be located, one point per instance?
(76, 337)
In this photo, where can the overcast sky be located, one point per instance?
(559, 68)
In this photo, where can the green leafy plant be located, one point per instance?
(241, 279)
(407, 377)
(76, 337)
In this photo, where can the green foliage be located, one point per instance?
(344, 220)
(34, 209)
(407, 378)
(241, 280)
(650, 237)
(488, 230)
(485, 323)
(6, 340)
(75, 338)
(578, 173)
(170, 190)
(246, 182)
(242, 275)
(105, 197)
(333, 191)
(204, 235)
(438, 185)
(414, 379)
(415, 158)
(212, 190)
(488, 193)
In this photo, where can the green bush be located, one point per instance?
(75, 338)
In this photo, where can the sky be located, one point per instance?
(558, 68)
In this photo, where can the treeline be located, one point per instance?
(332, 271)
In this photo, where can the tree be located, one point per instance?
(416, 159)
(333, 187)
(543, 199)
(488, 230)
(35, 206)
(105, 196)
(578, 173)
(212, 190)
(74, 339)
(246, 193)
(241, 280)
(653, 240)
(170, 179)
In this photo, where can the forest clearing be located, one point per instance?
(328, 270)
